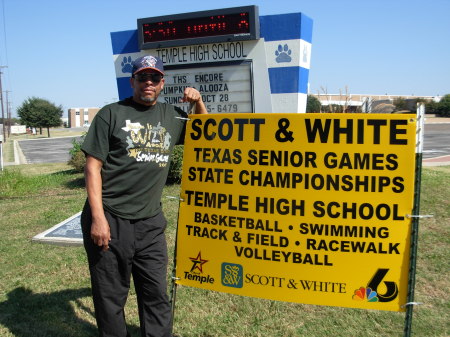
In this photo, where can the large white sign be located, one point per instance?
(225, 89)
(18, 129)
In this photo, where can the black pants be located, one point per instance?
(137, 247)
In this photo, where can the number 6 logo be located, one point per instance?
(392, 289)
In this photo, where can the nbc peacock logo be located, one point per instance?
(365, 294)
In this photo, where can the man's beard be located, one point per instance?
(148, 99)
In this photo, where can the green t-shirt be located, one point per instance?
(134, 142)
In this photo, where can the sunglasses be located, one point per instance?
(154, 77)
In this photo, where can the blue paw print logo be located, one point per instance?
(282, 54)
(126, 65)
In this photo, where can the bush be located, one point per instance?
(431, 107)
(77, 157)
(313, 104)
(78, 161)
(400, 104)
(333, 108)
(176, 165)
(443, 107)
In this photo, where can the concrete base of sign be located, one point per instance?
(66, 233)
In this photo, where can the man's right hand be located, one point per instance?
(100, 232)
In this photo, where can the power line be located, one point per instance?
(4, 30)
(8, 113)
(5, 48)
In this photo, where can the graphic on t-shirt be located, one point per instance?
(148, 143)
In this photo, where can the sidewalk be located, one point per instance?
(436, 120)
(437, 161)
(19, 158)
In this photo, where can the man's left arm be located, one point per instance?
(192, 95)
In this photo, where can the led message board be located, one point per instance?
(227, 24)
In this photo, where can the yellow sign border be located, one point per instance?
(306, 208)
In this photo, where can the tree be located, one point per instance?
(443, 107)
(313, 104)
(13, 121)
(431, 107)
(38, 112)
(333, 108)
(400, 104)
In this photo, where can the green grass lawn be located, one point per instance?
(45, 289)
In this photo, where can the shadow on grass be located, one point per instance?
(77, 180)
(76, 183)
(65, 172)
(26, 314)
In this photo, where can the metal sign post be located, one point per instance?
(415, 221)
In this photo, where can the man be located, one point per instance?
(127, 161)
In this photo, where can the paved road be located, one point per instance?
(51, 150)
(55, 150)
(436, 140)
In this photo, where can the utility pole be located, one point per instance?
(1, 98)
(8, 112)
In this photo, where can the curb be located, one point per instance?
(19, 157)
(437, 161)
(436, 120)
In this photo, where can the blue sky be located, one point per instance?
(61, 50)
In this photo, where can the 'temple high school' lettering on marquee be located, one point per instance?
(202, 53)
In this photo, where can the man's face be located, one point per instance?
(147, 85)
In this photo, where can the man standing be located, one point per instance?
(127, 149)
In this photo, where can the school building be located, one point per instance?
(79, 117)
